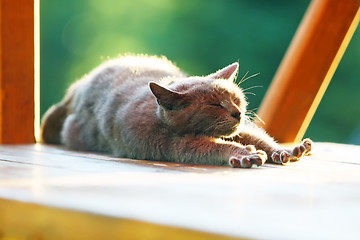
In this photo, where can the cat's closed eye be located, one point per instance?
(216, 105)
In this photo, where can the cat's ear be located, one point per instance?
(228, 72)
(166, 98)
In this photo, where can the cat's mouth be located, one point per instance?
(235, 130)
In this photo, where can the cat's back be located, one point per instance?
(134, 68)
(122, 77)
(126, 73)
(143, 64)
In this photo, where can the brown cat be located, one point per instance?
(146, 108)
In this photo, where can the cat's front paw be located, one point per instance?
(255, 158)
(304, 148)
(284, 156)
(281, 157)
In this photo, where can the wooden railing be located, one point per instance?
(17, 71)
(308, 67)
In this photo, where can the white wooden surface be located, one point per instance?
(316, 198)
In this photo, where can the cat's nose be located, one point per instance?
(236, 115)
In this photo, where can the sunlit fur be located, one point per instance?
(146, 108)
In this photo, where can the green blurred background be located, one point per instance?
(200, 36)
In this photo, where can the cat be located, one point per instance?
(144, 107)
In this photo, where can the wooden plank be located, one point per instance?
(316, 198)
(17, 71)
(30, 221)
(307, 68)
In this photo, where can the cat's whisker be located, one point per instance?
(221, 123)
(244, 78)
(252, 88)
(255, 115)
(250, 114)
(217, 125)
(254, 75)
(249, 93)
(248, 119)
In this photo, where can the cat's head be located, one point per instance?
(211, 106)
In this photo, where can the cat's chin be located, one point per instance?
(231, 134)
(236, 131)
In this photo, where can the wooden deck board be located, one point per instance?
(316, 198)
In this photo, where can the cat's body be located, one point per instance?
(146, 108)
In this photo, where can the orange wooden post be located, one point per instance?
(308, 67)
(16, 71)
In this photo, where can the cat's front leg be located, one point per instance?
(203, 150)
(253, 135)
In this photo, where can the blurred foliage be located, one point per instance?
(200, 36)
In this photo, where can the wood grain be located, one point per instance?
(17, 71)
(47, 192)
(308, 67)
